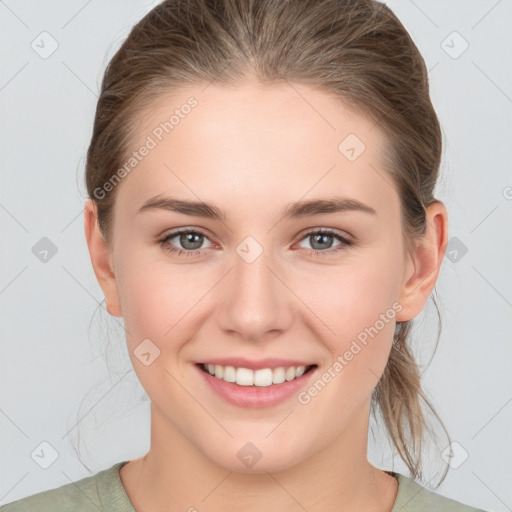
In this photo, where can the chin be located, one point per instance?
(254, 458)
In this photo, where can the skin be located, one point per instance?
(255, 149)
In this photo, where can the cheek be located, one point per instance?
(160, 300)
(352, 296)
(157, 305)
(357, 301)
(150, 296)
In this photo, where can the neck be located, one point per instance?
(176, 475)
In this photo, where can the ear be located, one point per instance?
(425, 262)
(101, 259)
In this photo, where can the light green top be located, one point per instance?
(104, 491)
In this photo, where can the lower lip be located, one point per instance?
(256, 396)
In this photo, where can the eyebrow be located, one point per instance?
(292, 211)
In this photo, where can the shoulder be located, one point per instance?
(102, 491)
(412, 497)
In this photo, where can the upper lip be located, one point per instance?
(242, 362)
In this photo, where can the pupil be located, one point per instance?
(188, 238)
(320, 236)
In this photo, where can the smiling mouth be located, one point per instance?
(263, 377)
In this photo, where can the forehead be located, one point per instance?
(227, 145)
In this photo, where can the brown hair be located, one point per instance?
(355, 49)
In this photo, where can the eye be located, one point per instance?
(190, 239)
(322, 241)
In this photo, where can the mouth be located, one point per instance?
(262, 377)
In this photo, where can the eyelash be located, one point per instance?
(164, 242)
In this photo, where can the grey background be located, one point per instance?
(55, 331)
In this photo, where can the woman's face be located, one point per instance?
(249, 285)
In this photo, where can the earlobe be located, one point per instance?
(101, 259)
(427, 258)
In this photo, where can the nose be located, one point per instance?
(255, 301)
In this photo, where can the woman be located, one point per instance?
(232, 140)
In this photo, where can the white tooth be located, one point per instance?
(278, 375)
(290, 373)
(300, 371)
(244, 377)
(229, 374)
(263, 377)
